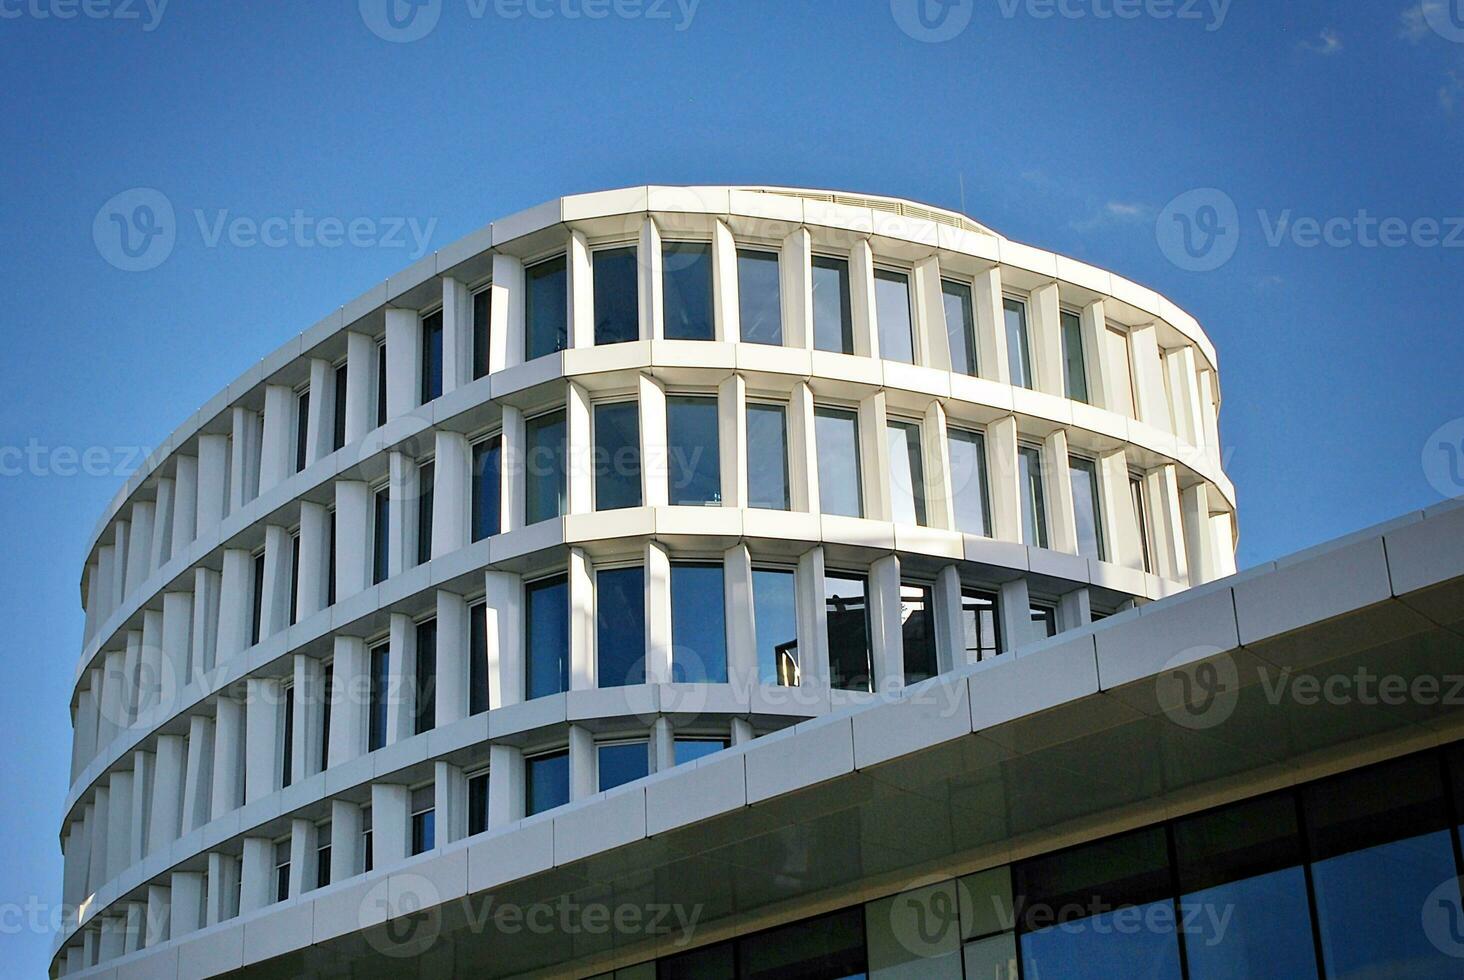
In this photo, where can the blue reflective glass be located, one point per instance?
(892, 313)
(546, 308)
(547, 785)
(836, 435)
(693, 464)
(698, 624)
(620, 626)
(544, 442)
(686, 275)
(622, 763)
(833, 321)
(1134, 941)
(487, 488)
(546, 627)
(431, 357)
(775, 620)
(617, 295)
(381, 538)
(692, 749)
(767, 456)
(759, 297)
(1258, 927)
(960, 325)
(616, 459)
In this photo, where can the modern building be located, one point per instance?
(748, 582)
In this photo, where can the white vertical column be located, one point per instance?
(582, 781)
(1014, 607)
(256, 874)
(1062, 533)
(278, 554)
(353, 523)
(303, 841)
(113, 712)
(813, 632)
(1120, 526)
(457, 334)
(579, 477)
(207, 627)
(506, 326)
(236, 596)
(726, 321)
(144, 776)
(349, 673)
(139, 545)
(187, 897)
(1184, 390)
(451, 496)
(314, 577)
(198, 776)
(732, 440)
(403, 361)
(121, 537)
(401, 512)
(1199, 538)
(932, 344)
(582, 667)
(452, 658)
(652, 317)
(177, 644)
(345, 840)
(861, 300)
(505, 785)
(162, 536)
(886, 635)
(319, 427)
(132, 677)
(262, 747)
(505, 633)
(950, 625)
(1153, 404)
(360, 385)
(874, 457)
(663, 745)
(450, 802)
(1074, 610)
(579, 270)
(512, 489)
(107, 597)
(1222, 527)
(654, 461)
(223, 874)
(1045, 328)
(741, 632)
(795, 277)
(309, 717)
(213, 483)
(802, 451)
(1093, 325)
(244, 458)
(1003, 485)
(1167, 544)
(400, 685)
(991, 345)
(119, 824)
(658, 614)
(391, 815)
(99, 823)
(158, 916)
(1209, 413)
(228, 757)
(940, 497)
(170, 772)
(277, 447)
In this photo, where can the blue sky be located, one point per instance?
(1074, 131)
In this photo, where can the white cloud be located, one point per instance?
(1114, 212)
(1328, 42)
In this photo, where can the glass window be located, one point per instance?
(282, 870)
(295, 577)
(698, 624)
(617, 295)
(775, 622)
(617, 456)
(330, 560)
(544, 449)
(547, 785)
(381, 536)
(431, 386)
(1075, 366)
(968, 481)
(1123, 378)
(477, 803)
(848, 629)
(302, 428)
(328, 692)
(1034, 498)
(619, 763)
(478, 659)
(892, 314)
(380, 683)
(917, 632)
(759, 297)
(381, 384)
(546, 308)
(620, 626)
(717, 962)
(546, 623)
(287, 743)
(1141, 517)
(836, 433)
(482, 321)
(487, 488)
(1019, 358)
(980, 625)
(424, 831)
(322, 855)
(767, 456)
(960, 320)
(907, 475)
(1084, 476)
(686, 278)
(833, 319)
(692, 749)
(1045, 618)
(426, 490)
(826, 948)
(256, 622)
(694, 463)
(424, 699)
(338, 420)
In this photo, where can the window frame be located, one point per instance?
(1100, 527)
(1035, 494)
(917, 465)
(887, 271)
(711, 311)
(1024, 302)
(1064, 312)
(849, 344)
(640, 495)
(830, 409)
(633, 246)
(968, 326)
(425, 395)
(562, 257)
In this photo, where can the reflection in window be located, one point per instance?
(546, 628)
(1034, 497)
(698, 624)
(546, 305)
(1141, 517)
(693, 463)
(767, 456)
(692, 749)
(833, 321)
(1083, 474)
(544, 467)
(917, 632)
(487, 488)
(616, 462)
(969, 497)
(1019, 358)
(960, 319)
(620, 626)
(1045, 619)
(618, 763)
(686, 277)
(759, 297)
(836, 433)
(546, 782)
(848, 629)
(775, 621)
(1075, 365)
(424, 820)
(431, 380)
(907, 475)
(980, 625)
(892, 314)
(617, 295)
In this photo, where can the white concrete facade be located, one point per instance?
(224, 587)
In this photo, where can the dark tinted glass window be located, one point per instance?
(548, 782)
(1083, 474)
(833, 320)
(960, 321)
(544, 467)
(287, 773)
(1075, 366)
(424, 831)
(759, 297)
(431, 386)
(380, 682)
(830, 947)
(917, 632)
(478, 659)
(425, 694)
(620, 626)
(302, 429)
(848, 630)
(328, 693)
(338, 418)
(709, 963)
(617, 456)
(1019, 360)
(547, 626)
(692, 749)
(980, 625)
(617, 295)
(381, 384)
(546, 308)
(487, 488)
(1034, 496)
(426, 492)
(622, 763)
(478, 803)
(694, 463)
(698, 624)
(907, 473)
(482, 320)
(256, 622)
(294, 578)
(686, 276)
(1046, 619)
(380, 536)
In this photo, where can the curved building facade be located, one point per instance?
(609, 489)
